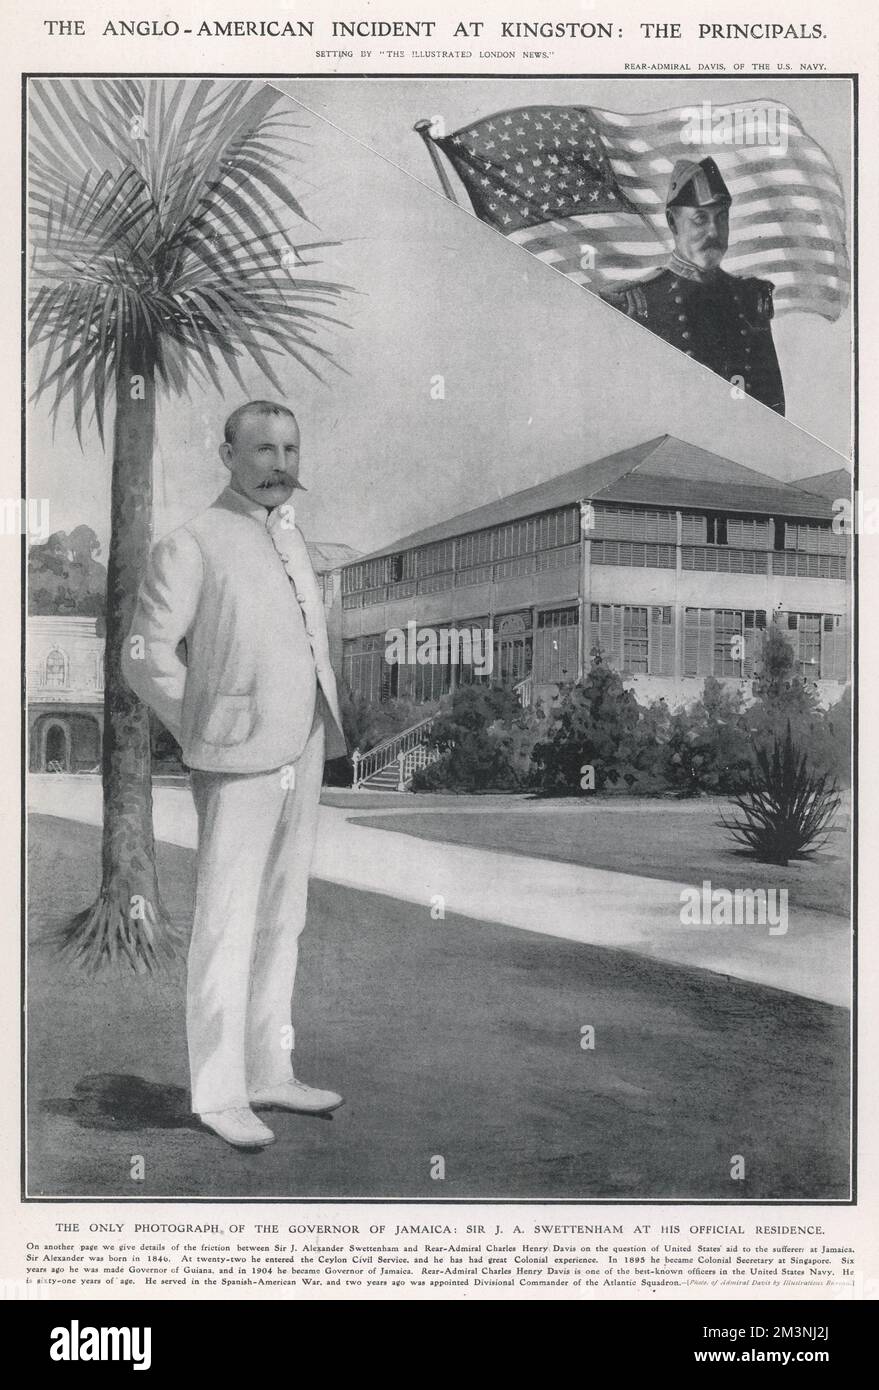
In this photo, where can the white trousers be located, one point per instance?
(256, 835)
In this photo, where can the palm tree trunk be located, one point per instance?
(127, 923)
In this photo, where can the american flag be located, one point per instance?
(584, 190)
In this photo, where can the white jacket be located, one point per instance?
(240, 697)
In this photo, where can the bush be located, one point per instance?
(367, 723)
(709, 748)
(596, 724)
(787, 809)
(480, 732)
(830, 747)
(783, 698)
(781, 695)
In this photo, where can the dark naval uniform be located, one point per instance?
(723, 321)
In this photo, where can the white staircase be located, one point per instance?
(391, 764)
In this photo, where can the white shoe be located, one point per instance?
(295, 1095)
(238, 1126)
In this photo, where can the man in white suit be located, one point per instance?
(229, 646)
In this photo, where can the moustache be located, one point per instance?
(282, 480)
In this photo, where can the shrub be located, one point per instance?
(516, 740)
(787, 809)
(709, 747)
(781, 695)
(367, 723)
(476, 733)
(830, 748)
(595, 724)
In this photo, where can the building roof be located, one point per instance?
(662, 472)
(837, 483)
(329, 555)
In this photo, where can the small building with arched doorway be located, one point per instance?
(65, 694)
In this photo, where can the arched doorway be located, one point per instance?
(56, 747)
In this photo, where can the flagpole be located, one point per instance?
(423, 128)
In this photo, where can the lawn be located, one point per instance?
(662, 840)
(452, 1037)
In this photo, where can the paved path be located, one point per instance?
(594, 906)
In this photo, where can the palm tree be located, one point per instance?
(160, 254)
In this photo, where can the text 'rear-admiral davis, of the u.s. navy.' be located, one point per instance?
(723, 321)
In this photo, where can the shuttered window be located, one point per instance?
(808, 566)
(723, 559)
(820, 643)
(635, 643)
(749, 533)
(813, 539)
(834, 648)
(722, 642)
(694, 529)
(634, 639)
(631, 524)
(729, 642)
(699, 642)
(634, 553)
(432, 559)
(474, 549)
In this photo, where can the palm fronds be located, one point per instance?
(787, 812)
(161, 217)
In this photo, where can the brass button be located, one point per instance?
(685, 335)
(682, 318)
(679, 299)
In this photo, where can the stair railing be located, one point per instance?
(388, 751)
(409, 763)
(408, 750)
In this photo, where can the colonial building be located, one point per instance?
(65, 691)
(672, 559)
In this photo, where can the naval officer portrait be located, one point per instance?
(723, 321)
(229, 647)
